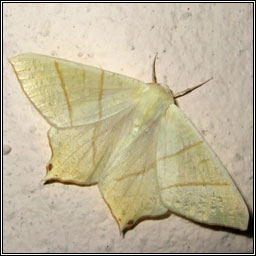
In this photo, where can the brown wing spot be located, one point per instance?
(62, 83)
(190, 184)
(181, 151)
(130, 222)
(49, 167)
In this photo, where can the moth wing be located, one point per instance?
(129, 184)
(69, 94)
(80, 154)
(108, 153)
(193, 182)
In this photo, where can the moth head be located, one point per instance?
(163, 90)
(166, 88)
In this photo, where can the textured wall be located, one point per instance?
(194, 42)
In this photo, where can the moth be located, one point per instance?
(132, 140)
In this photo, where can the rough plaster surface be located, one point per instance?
(194, 42)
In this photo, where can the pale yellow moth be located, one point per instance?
(132, 140)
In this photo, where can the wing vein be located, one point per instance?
(180, 151)
(190, 184)
(62, 83)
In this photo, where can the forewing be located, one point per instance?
(69, 94)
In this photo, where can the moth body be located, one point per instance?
(132, 140)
